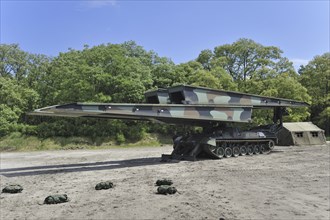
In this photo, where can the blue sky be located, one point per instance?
(179, 30)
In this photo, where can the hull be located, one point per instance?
(224, 143)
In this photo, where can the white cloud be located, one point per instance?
(99, 3)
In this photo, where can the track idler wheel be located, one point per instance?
(242, 150)
(228, 152)
(264, 149)
(271, 145)
(236, 151)
(249, 150)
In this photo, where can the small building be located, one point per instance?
(300, 133)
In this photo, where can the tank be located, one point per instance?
(212, 110)
(222, 142)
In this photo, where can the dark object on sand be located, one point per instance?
(166, 189)
(104, 185)
(164, 182)
(54, 199)
(13, 188)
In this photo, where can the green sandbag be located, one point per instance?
(54, 199)
(104, 185)
(13, 188)
(164, 182)
(166, 189)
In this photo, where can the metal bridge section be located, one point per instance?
(178, 105)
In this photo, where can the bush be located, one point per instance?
(120, 138)
(8, 120)
(136, 132)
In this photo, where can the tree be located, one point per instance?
(105, 73)
(250, 67)
(163, 73)
(226, 81)
(13, 61)
(123, 72)
(244, 59)
(15, 101)
(315, 76)
(280, 86)
(8, 120)
(184, 72)
(18, 64)
(205, 59)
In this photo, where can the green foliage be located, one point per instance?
(253, 68)
(226, 81)
(99, 74)
(205, 58)
(17, 141)
(15, 100)
(281, 86)
(120, 138)
(13, 61)
(315, 76)
(163, 73)
(123, 72)
(135, 131)
(8, 120)
(323, 119)
(244, 57)
(16, 97)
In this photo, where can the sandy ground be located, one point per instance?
(289, 183)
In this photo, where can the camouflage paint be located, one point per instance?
(159, 96)
(150, 111)
(195, 105)
(200, 95)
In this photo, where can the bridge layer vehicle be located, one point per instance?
(211, 109)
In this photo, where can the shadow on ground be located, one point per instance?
(80, 167)
(95, 166)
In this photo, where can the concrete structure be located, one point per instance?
(301, 133)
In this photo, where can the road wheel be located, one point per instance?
(236, 151)
(228, 152)
(250, 150)
(243, 150)
(256, 149)
(220, 152)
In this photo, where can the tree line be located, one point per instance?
(123, 72)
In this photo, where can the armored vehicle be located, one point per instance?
(208, 108)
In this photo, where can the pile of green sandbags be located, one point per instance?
(104, 185)
(55, 199)
(164, 187)
(13, 188)
(164, 182)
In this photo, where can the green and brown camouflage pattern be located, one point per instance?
(177, 105)
(169, 113)
(159, 96)
(199, 95)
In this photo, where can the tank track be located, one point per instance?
(233, 148)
